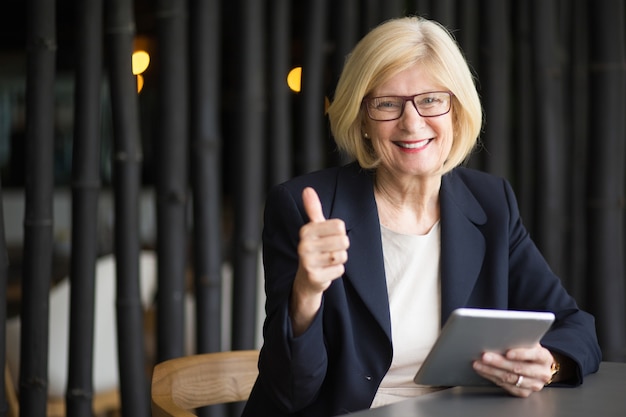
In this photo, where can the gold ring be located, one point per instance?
(332, 258)
(520, 378)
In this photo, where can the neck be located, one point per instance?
(408, 205)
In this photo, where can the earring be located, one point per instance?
(366, 136)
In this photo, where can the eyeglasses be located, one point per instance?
(384, 109)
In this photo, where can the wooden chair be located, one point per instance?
(183, 384)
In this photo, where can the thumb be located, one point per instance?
(312, 205)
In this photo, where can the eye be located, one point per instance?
(386, 103)
(430, 101)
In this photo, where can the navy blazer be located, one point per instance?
(488, 260)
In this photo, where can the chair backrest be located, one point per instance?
(183, 384)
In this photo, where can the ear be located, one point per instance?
(365, 127)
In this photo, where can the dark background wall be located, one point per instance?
(215, 125)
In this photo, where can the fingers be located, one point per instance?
(536, 354)
(325, 240)
(323, 245)
(312, 205)
(516, 384)
(337, 257)
(520, 372)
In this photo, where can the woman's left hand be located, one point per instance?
(520, 371)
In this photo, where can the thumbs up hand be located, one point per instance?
(322, 251)
(323, 244)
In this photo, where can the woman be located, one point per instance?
(364, 263)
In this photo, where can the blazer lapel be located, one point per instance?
(354, 203)
(462, 243)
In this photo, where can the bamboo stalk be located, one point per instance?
(249, 184)
(171, 177)
(468, 37)
(85, 186)
(38, 219)
(280, 159)
(422, 8)
(523, 121)
(119, 33)
(550, 133)
(578, 96)
(345, 32)
(206, 178)
(390, 9)
(444, 11)
(313, 151)
(495, 80)
(370, 15)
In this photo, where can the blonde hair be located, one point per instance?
(387, 50)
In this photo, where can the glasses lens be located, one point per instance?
(432, 104)
(385, 108)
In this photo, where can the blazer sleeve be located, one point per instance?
(291, 370)
(534, 285)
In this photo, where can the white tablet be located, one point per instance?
(468, 333)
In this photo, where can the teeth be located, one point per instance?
(413, 145)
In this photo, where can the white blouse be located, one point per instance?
(413, 283)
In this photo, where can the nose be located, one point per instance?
(411, 115)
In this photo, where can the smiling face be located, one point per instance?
(411, 146)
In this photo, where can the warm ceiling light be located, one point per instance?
(294, 79)
(139, 83)
(141, 60)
